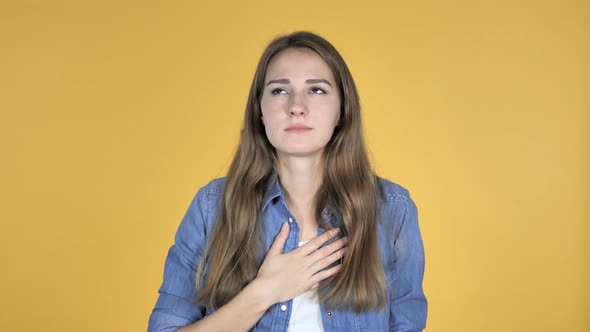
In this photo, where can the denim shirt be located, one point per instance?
(400, 246)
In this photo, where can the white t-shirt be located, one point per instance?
(306, 315)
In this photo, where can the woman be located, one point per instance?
(301, 235)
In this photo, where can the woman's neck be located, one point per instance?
(300, 179)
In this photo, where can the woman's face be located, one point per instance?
(300, 103)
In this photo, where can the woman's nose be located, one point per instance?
(297, 105)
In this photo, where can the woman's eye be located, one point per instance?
(278, 91)
(317, 91)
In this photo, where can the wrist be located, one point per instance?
(261, 297)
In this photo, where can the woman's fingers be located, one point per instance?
(324, 275)
(279, 242)
(326, 261)
(317, 242)
(329, 249)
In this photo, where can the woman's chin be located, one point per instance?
(299, 153)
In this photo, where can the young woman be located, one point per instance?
(301, 235)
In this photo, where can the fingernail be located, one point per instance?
(335, 231)
(284, 227)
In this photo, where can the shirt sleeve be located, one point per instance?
(408, 304)
(175, 307)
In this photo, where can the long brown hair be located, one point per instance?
(349, 189)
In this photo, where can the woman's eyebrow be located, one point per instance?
(317, 80)
(280, 81)
(309, 81)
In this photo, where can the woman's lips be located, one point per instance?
(298, 129)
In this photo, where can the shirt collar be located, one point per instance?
(273, 190)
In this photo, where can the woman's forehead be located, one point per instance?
(298, 63)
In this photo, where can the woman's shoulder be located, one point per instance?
(210, 192)
(214, 187)
(396, 207)
(391, 191)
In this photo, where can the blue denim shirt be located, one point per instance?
(400, 245)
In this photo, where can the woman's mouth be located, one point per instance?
(298, 128)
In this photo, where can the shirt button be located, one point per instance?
(290, 220)
(283, 308)
(329, 313)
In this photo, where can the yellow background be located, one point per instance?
(113, 114)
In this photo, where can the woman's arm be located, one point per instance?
(239, 314)
(408, 305)
(299, 269)
(174, 307)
